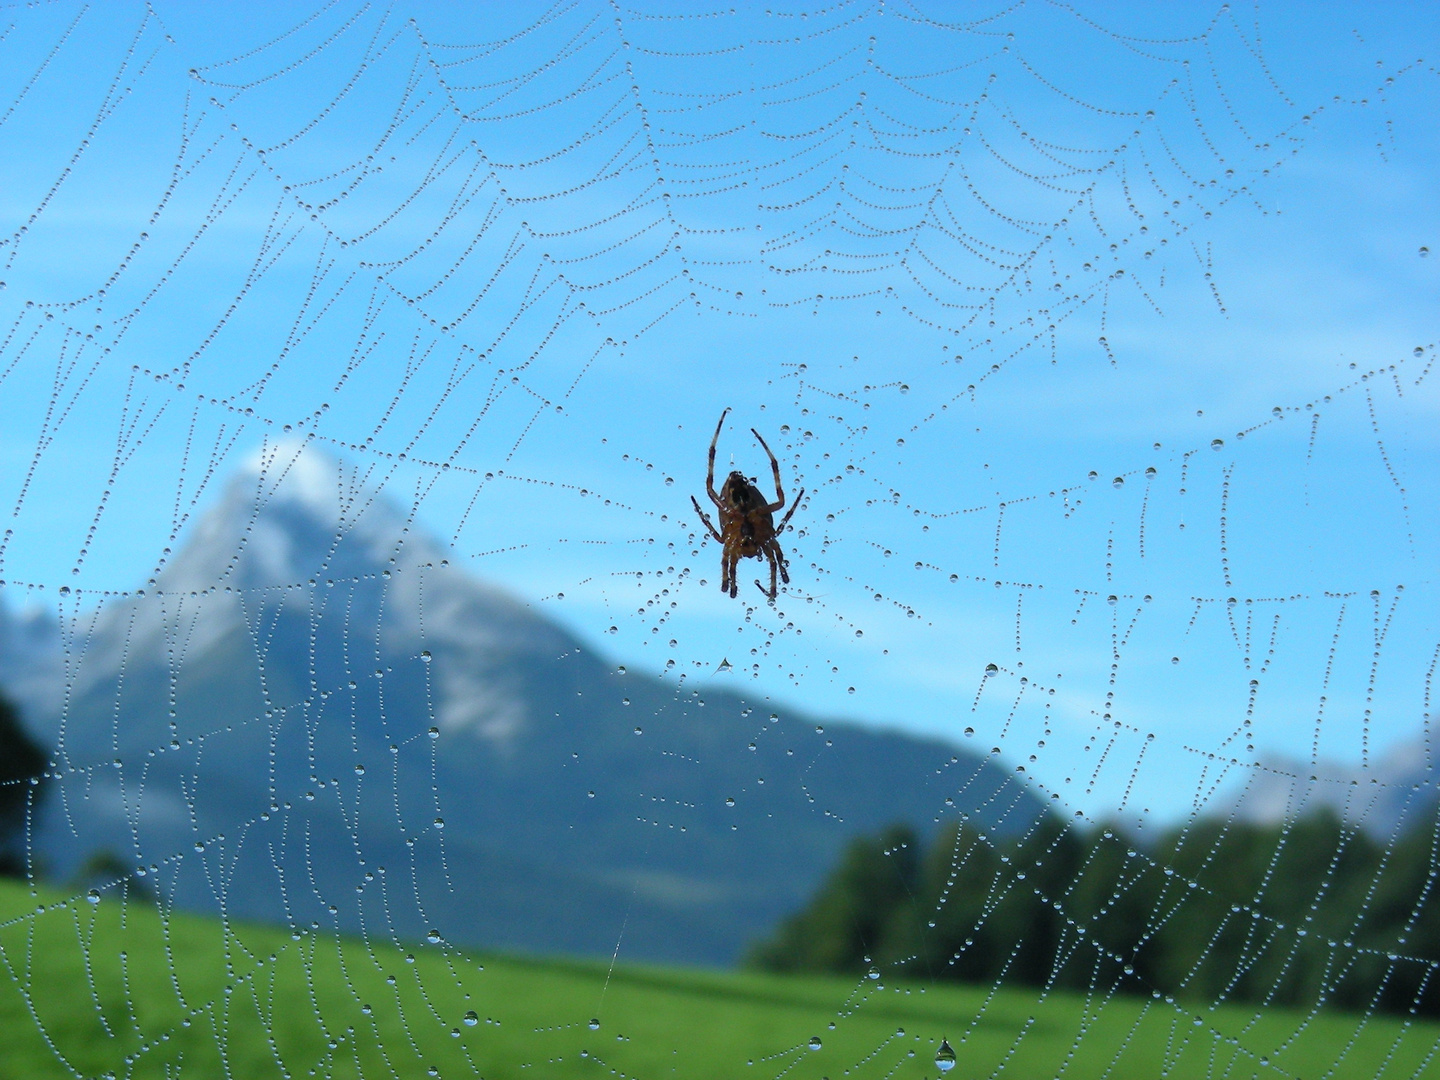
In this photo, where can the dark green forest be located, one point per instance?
(21, 763)
(1311, 914)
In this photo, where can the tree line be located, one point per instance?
(1312, 913)
(22, 762)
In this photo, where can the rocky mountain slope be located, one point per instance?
(311, 716)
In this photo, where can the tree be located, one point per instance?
(843, 927)
(22, 761)
(1306, 913)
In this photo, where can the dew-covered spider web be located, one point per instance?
(358, 367)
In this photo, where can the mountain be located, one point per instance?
(1394, 793)
(310, 716)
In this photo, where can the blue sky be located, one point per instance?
(380, 225)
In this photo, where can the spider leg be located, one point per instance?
(793, 507)
(706, 520)
(729, 565)
(780, 558)
(710, 472)
(775, 468)
(770, 557)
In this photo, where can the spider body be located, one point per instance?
(747, 520)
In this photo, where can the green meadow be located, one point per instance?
(90, 989)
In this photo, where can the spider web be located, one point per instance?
(1095, 486)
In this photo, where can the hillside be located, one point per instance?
(168, 994)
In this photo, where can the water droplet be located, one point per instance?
(433, 937)
(425, 655)
(594, 1025)
(872, 974)
(1217, 444)
(439, 823)
(1424, 252)
(945, 1056)
(93, 896)
(1118, 482)
(969, 733)
(815, 1042)
(471, 1018)
(434, 732)
(992, 669)
(1419, 351)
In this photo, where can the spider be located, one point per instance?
(746, 526)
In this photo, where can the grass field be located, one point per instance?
(89, 989)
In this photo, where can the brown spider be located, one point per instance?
(747, 527)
